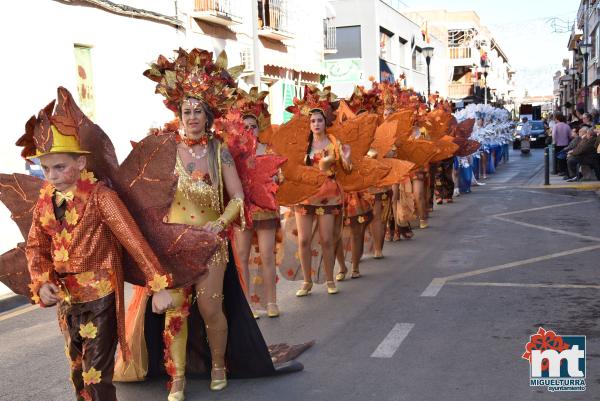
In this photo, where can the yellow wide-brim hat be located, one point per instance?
(61, 144)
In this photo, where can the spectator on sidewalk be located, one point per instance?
(586, 120)
(583, 153)
(561, 135)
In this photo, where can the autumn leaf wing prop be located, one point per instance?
(385, 137)
(466, 147)
(464, 129)
(19, 193)
(291, 141)
(365, 173)
(447, 148)
(438, 123)
(146, 184)
(255, 172)
(399, 170)
(404, 128)
(418, 151)
(358, 132)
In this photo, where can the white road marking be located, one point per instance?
(524, 285)
(437, 283)
(434, 287)
(542, 208)
(552, 230)
(392, 341)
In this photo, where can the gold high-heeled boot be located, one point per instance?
(217, 341)
(178, 340)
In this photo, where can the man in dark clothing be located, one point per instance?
(583, 153)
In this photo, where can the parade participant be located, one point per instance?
(74, 250)
(208, 194)
(263, 223)
(325, 153)
(357, 211)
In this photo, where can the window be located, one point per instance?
(85, 85)
(385, 45)
(402, 51)
(348, 42)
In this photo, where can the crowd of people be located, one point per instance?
(216, 205)
(576, 145)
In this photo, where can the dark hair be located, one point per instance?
(210, 116)
(560, 117)
(307, 159)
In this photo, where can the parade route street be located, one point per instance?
(445, 316)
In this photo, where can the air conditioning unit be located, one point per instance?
(247, 59)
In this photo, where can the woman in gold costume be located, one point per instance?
(208, 194)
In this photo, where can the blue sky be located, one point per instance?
(524, 33)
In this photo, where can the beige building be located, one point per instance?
(475, 58)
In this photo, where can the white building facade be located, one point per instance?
(376, 40)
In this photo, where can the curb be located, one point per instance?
(580, 187)
(12, 301)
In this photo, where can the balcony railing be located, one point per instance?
(459, 52)
(273, 19)
(460, 91)
(216, 11)
(329, 32)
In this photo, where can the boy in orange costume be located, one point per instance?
(74, 251)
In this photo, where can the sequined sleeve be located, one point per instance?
(39, 258)
(117, 217)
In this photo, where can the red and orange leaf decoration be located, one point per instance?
(344, 113)
(256, 172)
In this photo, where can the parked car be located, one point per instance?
(537, 137)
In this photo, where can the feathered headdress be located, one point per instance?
(195, 75)
(253, 104)
(315, 99)
(363, 100)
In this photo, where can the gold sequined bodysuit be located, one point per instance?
(196, 202)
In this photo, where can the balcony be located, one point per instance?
(461, 52)
(329, 35)
(273, 20)
(216, 12)
(460, 91)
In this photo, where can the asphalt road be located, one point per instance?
(445, 316)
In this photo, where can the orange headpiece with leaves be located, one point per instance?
(195, 75)
(363, 100)
(253, 104)
(54, 130)
(315, 99)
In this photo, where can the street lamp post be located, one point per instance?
(428, 53)
(584, 49)
(485, 74)
(573, 73)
